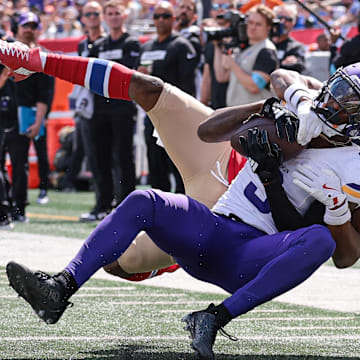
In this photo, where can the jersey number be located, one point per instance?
(262, 206)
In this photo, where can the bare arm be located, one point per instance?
(206, 85)
(244, 78)
(281, 79)
(222, 75)
(34, 129)
(347, 238)
(224, 123)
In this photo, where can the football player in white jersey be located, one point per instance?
(256, 265)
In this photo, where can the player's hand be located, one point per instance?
(33, 131)
(265, 157)
(325, 186)
(287, 123)
(310, 125)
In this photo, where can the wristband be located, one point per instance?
(295, 92)
(337, 216)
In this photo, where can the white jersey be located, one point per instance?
(246, 196)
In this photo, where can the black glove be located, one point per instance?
(287, 123)
(265, 157)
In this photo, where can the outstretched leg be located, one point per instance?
(175, 115)
(169, 218)
(261, 269)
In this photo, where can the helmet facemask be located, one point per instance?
(344, 90)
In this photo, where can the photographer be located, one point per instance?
(248, 70)
(290, 52)
(213, 93)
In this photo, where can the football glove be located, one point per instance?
(299, 98)
(286, 121)
(264, 157)
(310, 125)
(325, 186)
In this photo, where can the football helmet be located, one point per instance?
(338, 103)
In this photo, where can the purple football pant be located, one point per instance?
(239, 258)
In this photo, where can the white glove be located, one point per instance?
(325, 186)
(310, 126)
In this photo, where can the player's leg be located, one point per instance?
(171, 219)
(176, 117)
(174, 113)
(257, 271)
(140, 260)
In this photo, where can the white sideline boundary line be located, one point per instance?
(324, 338)
(319, 318)
(159, 302)
(317, 327)
(136, 294)
(328, 288)
(110, 288)
(252, 311)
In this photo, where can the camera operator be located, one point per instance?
(248, 70)
(213, 93)
(290, 52)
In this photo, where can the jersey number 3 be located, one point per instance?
(262, 206)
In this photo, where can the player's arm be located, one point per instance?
(324, 185)
(281, 79)
(347, 238)
(222, 124)
(295, 89)
(265, 159)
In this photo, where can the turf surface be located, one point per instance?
(116, 321)
(112, 320)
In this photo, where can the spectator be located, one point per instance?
(213, 92)
(185, 25)
(349, 52)
(173, 59)
(8, 126)
(352, 8)
(323, 42)
(69, 26)
(34, 92)
(48, 23)
(248, 70)
(92, 16)
(317, 60)
(290, 52)
(112, 125)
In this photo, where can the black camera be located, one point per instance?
(277, 28)
(237, 30)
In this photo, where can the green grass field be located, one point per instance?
(112, 320)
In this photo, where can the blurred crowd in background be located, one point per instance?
(62, 18)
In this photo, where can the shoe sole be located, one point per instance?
(18, 276)
(23, 281)
(7, 227)
(203, 353)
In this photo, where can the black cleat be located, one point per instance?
(203, 330)
(43, 292)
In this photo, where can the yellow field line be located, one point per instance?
(56, 217)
